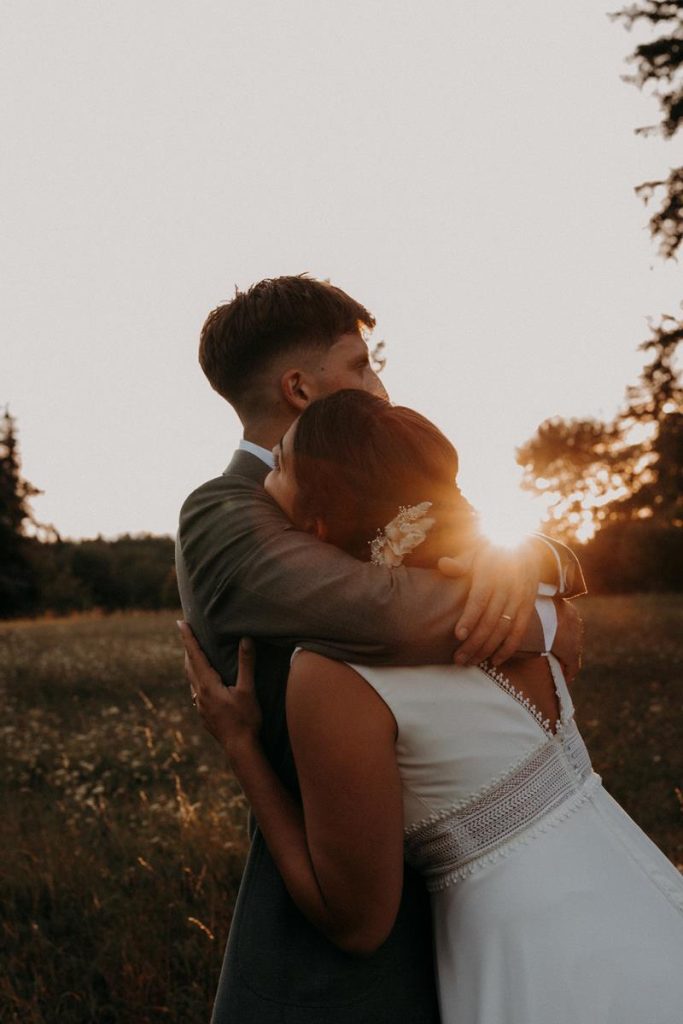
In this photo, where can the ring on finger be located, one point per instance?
(194, 699)
(508, 618)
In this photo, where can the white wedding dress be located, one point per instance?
(550, 905)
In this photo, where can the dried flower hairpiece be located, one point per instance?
(402, 535)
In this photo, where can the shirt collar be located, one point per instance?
(264, 454)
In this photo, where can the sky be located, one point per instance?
(465, 170)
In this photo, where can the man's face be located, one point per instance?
(345, 364)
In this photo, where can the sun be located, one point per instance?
(507, 513)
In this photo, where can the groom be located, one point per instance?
(244, 571)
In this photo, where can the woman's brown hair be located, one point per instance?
(358, 459)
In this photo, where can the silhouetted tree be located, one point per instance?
(656, 409)
(595, 473)
(573, 464)
(655, 404)
(659, 63)
(625, 477)
(40, 572)
(17, 584)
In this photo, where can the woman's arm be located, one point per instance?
(343, 739)
(341, 854)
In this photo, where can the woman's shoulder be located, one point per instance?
(309, 669)
(322, 688)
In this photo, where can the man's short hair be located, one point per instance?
(240, 339)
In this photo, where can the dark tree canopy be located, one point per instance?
(656, 404)
(619, 485)
(16, 576)
(623, 480)
(659, 62)
(39, 572)
(666, 223)
(659, 65)
(597, 473)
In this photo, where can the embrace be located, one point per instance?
(430, 842)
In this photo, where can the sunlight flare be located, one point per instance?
(507, 513)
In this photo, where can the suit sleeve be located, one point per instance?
(570, 575)
(243, 570)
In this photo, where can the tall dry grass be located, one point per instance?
(629, 701)
(123, 834)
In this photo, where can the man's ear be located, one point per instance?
(296, 389)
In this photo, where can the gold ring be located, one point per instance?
(508, 617)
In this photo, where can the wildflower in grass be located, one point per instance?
(202, 927)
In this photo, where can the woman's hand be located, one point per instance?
(230, 713)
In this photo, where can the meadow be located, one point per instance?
(123, 833)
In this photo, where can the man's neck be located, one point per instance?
(266, 435)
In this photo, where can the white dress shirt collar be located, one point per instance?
(264, 454)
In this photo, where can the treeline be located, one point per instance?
(40, 572)
(631, 551)
(139, 573)
(624, 478)
(110, 575)
(630, 557)
(621, 480)
(130, 572)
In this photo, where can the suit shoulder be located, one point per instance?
(217, 490)
(228, 507)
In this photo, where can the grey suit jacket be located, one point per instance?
(243, 570)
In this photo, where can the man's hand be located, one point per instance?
(504, 585)
(568, 645)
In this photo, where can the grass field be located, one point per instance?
(123, 832)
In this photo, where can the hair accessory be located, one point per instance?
(401, 536)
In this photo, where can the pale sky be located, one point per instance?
(464, 170)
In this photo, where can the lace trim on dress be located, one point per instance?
(449, 843)
(502, 680)
(549, 822)
(467, 801)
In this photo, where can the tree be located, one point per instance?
(659, 64)
(656, 403)
(604, 475)
(16, 575)
(655, 410)
(573, 464)
(595, 474)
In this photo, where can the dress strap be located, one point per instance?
(562, 690)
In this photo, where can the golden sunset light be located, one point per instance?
(314, 312)
(166, 193)
(507, 513)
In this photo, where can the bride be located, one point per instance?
(549, 904)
